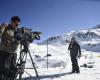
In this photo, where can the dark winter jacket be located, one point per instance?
(75, 49)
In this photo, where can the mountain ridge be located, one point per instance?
(89, 39)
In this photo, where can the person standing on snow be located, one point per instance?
(75, 52)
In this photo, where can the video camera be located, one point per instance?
(25, 34)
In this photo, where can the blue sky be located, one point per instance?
(52, 17)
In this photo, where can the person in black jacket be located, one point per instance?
(75, 53)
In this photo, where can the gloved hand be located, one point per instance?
(2, 28)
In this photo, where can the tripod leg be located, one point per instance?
(21, 65)
(20, 77)
(34, 66)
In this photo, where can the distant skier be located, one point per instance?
(75, 53)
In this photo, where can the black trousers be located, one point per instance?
(7, 65)
(75, 67)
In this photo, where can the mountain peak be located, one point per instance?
(96, 27)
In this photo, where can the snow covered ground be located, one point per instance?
(60, 64)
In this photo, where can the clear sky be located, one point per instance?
(52, 17)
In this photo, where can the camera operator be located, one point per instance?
(8, 49)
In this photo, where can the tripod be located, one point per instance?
(22, 61)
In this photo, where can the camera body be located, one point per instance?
(25, 34)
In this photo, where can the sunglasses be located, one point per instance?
(17, 24)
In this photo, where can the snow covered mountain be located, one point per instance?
(89, 39)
